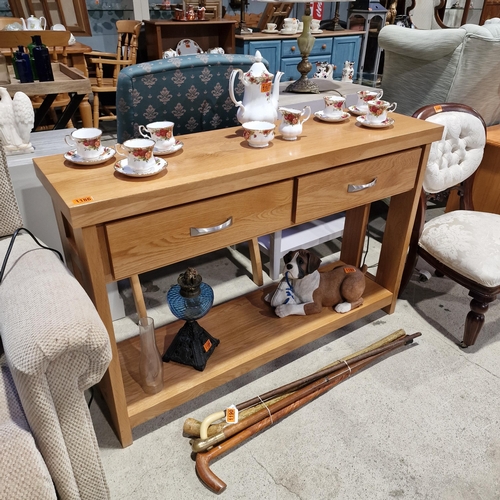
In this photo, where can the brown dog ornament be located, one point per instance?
(304, 290)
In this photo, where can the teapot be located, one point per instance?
(260, 103)
(33, 23)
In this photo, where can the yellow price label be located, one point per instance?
(83, 199)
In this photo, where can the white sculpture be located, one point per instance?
(16, 122)
(324, 70)
(348, 71)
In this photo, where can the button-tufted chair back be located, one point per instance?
(463, 245)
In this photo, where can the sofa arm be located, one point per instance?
(425, 45)
(56, 347)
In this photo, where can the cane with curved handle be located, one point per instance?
(213, 482)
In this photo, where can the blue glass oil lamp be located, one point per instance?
(190, 300)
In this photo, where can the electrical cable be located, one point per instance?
(9, 250)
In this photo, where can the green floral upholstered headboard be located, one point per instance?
(192, 91)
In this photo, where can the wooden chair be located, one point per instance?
(464, 244)
(56, 42)
(103, 68)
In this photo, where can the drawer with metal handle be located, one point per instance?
(336, 189)
(154, 240)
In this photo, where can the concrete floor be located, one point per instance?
(422, 423)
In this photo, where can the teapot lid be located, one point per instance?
(258, 72)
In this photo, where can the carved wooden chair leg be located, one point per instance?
(140, 305)
(479, 305)
(256, 260)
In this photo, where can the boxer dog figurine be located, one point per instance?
(304, 290)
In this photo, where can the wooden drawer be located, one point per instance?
(322, 46)
(154, 240)
(327, 192)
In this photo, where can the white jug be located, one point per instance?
(33, 23)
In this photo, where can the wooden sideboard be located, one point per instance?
(283, 54)
(113, 226)
(164, 35)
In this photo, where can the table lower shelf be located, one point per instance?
(250, 335)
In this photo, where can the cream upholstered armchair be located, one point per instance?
(53, 347)
(461, 65)
(464, 245)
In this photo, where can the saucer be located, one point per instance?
(283, 32)
(357, 111)
(317, 32)
(73, 157)
(270, 31)
(122, 167)
(161, 152)
(386, 123)
(344, 116)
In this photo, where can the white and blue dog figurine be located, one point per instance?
(304, 290)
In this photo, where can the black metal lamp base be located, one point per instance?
(192, 346)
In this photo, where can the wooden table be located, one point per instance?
(114, 226)
(75, 59)
(66, 80)
(164, 35)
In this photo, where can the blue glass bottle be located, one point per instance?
(22, 66)
(43, 64)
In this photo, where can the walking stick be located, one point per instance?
(195, 428)
(201, 444)
(203, 460)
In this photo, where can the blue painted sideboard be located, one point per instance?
(283, 54)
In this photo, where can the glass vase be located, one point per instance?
(150, 362)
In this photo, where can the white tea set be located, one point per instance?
(371, 110)
(141, 156)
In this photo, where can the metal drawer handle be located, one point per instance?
(352, 188)
(200, 231)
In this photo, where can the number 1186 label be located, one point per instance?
(232, 415)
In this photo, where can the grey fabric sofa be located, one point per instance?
(53, 348)
(460, 65)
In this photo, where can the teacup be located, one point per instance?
(161, 132)
(258, 134)
(334, 106)
(87, 142)
(291, 124)
(271, 26)
(315, 24)
(368, 95)
(300, 26)
(58, 27)
(139, 153)
(377, 110)
(290, 25)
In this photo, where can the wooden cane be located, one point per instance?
(199, 445)
(192, 426)
(203, 460)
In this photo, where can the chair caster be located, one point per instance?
(424, 276)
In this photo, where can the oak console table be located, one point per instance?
(164, 35)
(113, 227)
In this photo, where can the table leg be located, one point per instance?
(69, 111)
(396, 239)
(88, 247)
(43, 109)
